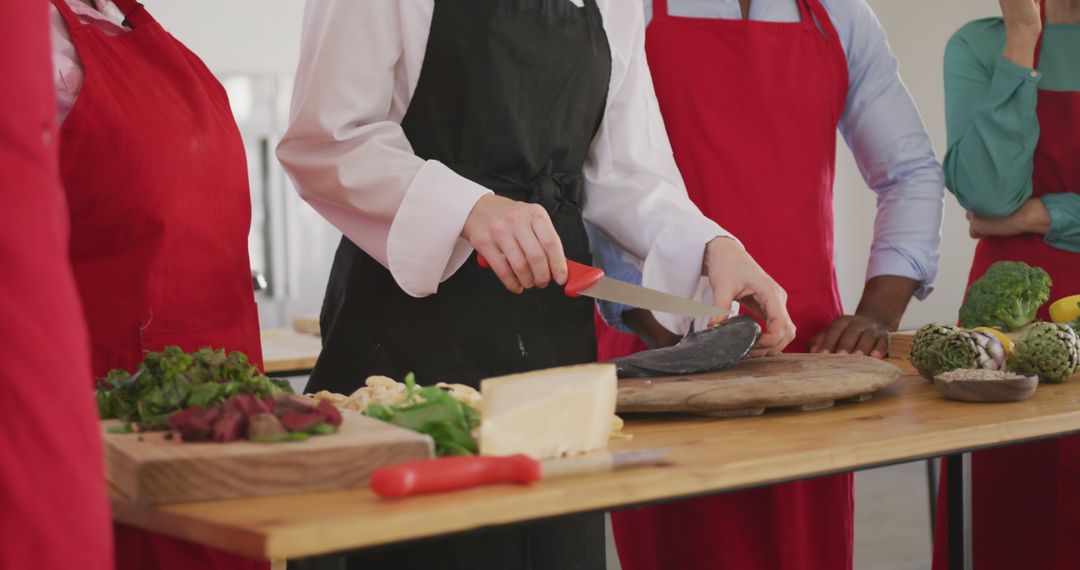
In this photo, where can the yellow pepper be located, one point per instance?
(1066, 309)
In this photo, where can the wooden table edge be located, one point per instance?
(658, 485)
(285, 542)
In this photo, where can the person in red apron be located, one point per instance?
(752, 108)
(1024, 498)
(53, 507)
(156, 180)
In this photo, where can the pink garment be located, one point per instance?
(67, 67)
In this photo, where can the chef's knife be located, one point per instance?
(462, 472)
(590, 281)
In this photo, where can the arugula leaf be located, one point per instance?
(433, 411)
(206, 395)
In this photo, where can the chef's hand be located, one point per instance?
(883, 303)
(854, 334)
(1023, 26)
(518, 240)
(1031, 218)
(735, 276)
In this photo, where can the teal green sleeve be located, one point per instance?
(1064, 221)
(992, 127)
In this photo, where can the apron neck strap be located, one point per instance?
(134, 13)
(67, 13)
(659, 9)
(814, 15)
(805, 13)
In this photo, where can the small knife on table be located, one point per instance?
(591, 282)
(466, 471)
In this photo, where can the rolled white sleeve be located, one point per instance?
(348, 156)
(885, 132)
(634, 192)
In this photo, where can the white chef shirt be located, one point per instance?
(67, 67)
(349, 158)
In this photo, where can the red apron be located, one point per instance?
(752, 110)
(53, 505)
(156, 180)
(1026, 499)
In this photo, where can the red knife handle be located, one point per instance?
(580, 276)
(452, 473)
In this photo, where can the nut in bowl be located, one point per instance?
(980, 385)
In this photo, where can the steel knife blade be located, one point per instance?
(610, 289)
(601, 462)
(591, 282)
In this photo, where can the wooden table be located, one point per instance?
(286, 351)
(906, 422)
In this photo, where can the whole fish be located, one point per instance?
(699, 352)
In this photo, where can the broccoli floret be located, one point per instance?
(1006, 297)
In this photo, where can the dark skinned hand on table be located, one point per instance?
(867, 331)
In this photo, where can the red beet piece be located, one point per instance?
(286, 403)
(329, 413)
(230, 426)
(182, 419)
(301, 421)
(205, 420)
(247, 404)
(195, 424)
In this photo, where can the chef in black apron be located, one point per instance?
(515, 97)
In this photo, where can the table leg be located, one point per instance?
(955, 468)
(932, 471)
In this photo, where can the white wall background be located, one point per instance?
(262, 37)
(236, 36)
(918, 31)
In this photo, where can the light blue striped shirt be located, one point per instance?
(882, 128)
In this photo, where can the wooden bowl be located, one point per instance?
(988, 390)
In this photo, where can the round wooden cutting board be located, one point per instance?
(801, 381)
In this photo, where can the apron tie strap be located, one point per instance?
(552, 191)
(556, 190)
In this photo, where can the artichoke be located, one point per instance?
(922, 357)
(1050, 351)
(940, 348)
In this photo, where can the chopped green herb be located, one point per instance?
(172, 380)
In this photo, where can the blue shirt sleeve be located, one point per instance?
(616, 264)
(882, 127)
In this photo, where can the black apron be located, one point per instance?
(510, 96)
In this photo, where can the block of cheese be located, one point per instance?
(548, 413)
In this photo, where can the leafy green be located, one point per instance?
(434, 412)
(324, 429)
(280, 437)
(172, 380)
(1006, 297)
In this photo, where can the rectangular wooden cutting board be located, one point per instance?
(150, 469)
(802, 381)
